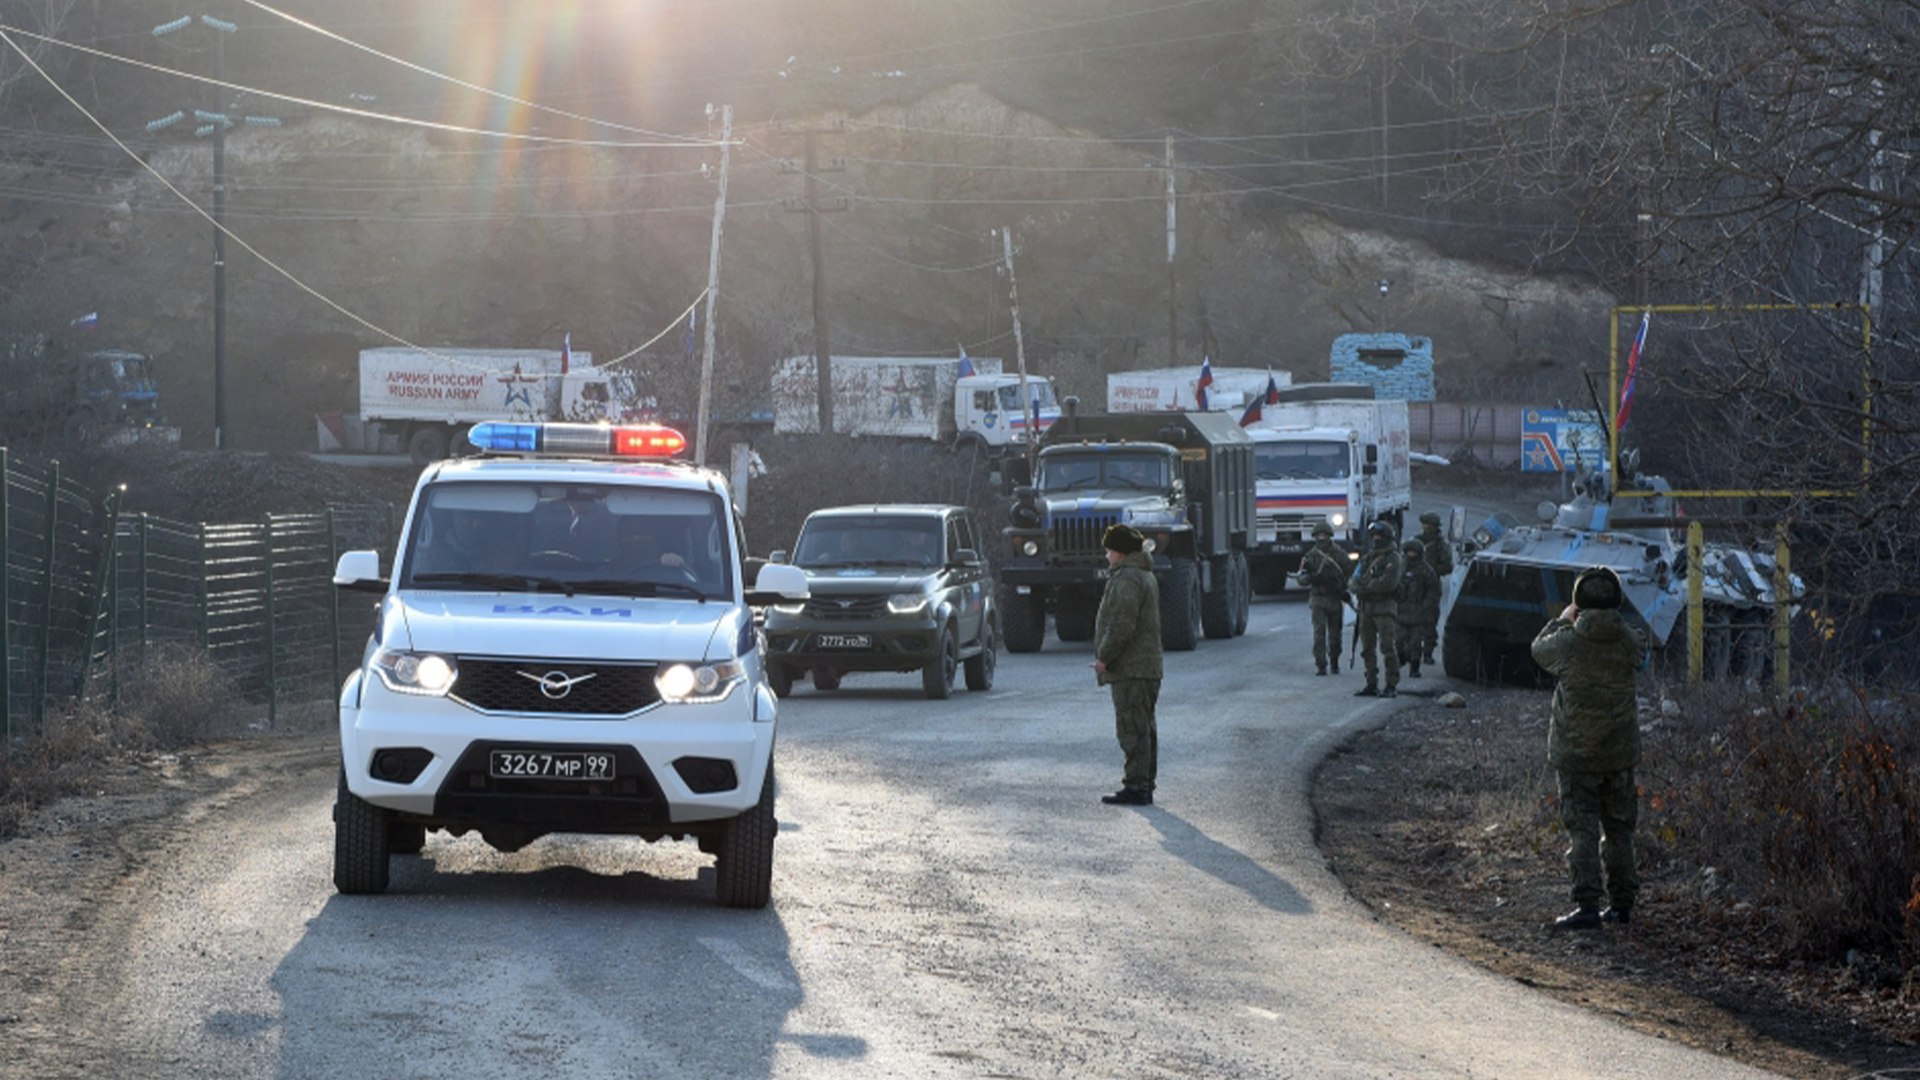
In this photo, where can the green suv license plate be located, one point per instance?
(550, 765)
(844, 641)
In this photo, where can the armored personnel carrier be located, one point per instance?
(1514, 581)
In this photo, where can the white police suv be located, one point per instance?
(565, 645)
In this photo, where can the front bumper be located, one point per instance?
(893, 644)
(661, 754)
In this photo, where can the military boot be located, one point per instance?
(1321, 670)
(1581, 918)
(1369, 690)
(1413, 668)
(1336, 663)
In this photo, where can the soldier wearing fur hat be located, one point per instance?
(1126, 652)
(1593, 653)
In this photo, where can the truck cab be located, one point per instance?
(1345, 463)
(988, 411)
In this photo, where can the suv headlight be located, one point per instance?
(907, 603)
(408, 672)
(696, 684)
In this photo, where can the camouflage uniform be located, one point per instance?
(1126, 638)
(1376, 581)
(1324, 572)
(1595, 743)
(1416, 605)
(1439, 554)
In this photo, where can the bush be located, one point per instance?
(169, 697)
(1809, 809)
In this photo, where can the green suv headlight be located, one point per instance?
(695, 684)
(907, 603)
(407, 672)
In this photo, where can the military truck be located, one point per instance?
(1185, 479)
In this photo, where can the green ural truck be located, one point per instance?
(1185, 479)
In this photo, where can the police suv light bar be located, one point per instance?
(578, 440)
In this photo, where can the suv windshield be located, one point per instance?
(1301, 461)
(869, 541)
(1096, 471)
(568, 537)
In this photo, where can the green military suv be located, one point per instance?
(891, 588)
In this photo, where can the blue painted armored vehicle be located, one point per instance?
(1514, 581)
(1185, 479)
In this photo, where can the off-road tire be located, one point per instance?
(406, 838)
(1073, 625)
(1217, 605)
(780, 680)
(743, 859)
(360, 843)
(980, 666)
(427, 445)
(1180, 607)
(825, 679)
(936, 678)
(1023, 621)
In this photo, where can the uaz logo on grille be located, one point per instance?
(556, 684)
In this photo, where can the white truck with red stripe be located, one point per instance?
(965, 402)
(1341, 461)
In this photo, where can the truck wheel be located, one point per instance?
(1073, 625)
(743, 866)
(780, 680)
(360, 843)
(981, 664)
(1180, 607)
(1217, 604)
(1024, 619)
(937, 677)
(1269, 578)
(427, 445)
(1243, 593)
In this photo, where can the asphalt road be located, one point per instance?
(950, 899)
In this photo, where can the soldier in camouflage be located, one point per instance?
(1438, 551)
(1126, 650)
(1376, 581)
(1416, 605)
(1324, 572)
(1593, 653)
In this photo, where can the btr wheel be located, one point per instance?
(361, 843)
(937, 677)
(743, 865)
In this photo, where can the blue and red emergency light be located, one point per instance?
(587, 440)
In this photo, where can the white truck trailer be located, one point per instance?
(421, 402)
(914, 397)
(1341, 461)
(1176, 389)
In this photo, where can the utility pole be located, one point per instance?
(1173, 290)
(811, 205)
(713, 287)
(1019, 349)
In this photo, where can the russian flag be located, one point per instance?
(1633, 369)
(966, 362)
(1206, 380)
(1252, 415)
(1273, 391)
(566, 352)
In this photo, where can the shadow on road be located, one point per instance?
(1204, 853)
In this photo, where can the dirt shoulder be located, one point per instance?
(1442, 822)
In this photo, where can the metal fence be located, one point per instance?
(86, 585)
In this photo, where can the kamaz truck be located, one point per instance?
(1185, 479)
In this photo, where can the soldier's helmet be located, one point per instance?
(1322, 529)
(1380, 530)
(1596, 587)
(1411, 547)
(1431, 517)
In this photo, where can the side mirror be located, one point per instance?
(359, 571)
(967, 558)
(777, 582)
